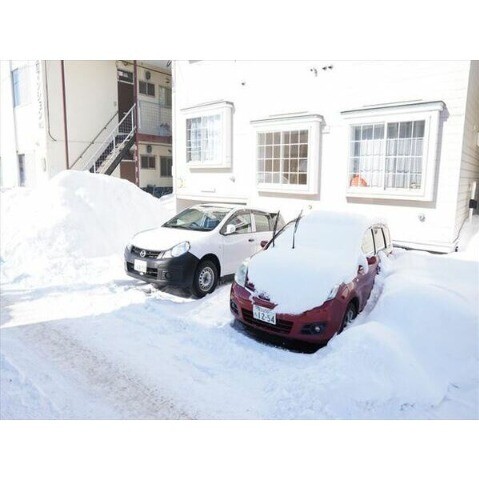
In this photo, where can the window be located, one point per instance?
(379, 239)
(21, 91)
(242, 221)
(392, 150)
(287, 154)
(368, 243)
(148, 162)
(387, 236)
(387, 155)
(147, 88)
(208, 135)
(283, 157)
(262, 223)
(165, 96)
(165, 166)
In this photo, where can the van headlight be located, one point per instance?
(241, 273)
(177, 250)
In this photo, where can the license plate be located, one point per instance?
(263, 314)
(139, 265)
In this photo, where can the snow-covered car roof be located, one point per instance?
(327, 252)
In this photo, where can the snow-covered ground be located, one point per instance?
(80, 339)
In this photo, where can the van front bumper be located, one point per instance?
(178, 271)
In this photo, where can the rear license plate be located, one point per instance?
(139, 266)
(264, 314)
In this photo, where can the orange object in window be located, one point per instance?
(358, 181)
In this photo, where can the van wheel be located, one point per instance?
(206, 279)
(349, 315)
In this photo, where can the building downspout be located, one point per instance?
(65, 114)
(135, 100)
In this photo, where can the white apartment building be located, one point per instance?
(110, 117)
(396, 139)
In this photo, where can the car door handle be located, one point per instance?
(251, 240)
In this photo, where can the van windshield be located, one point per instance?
(198, 218)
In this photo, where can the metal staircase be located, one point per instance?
(112, 150)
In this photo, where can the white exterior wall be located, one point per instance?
(91, 100)
(22, 127)
(469, 172)
(261, 89)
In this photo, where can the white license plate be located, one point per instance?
(263, 314)
(139, 265)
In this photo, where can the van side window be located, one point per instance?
(379, 239)
(242, 221)
(368, 243)
(262, 222)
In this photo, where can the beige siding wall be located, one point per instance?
(470, 149)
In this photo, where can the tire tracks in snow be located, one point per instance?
(112, 384)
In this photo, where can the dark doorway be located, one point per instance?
(21, 170)
(126, 99)
(127, 170)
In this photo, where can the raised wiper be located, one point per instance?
(296, 225)
(275, 227)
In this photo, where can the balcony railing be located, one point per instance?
(154, 119)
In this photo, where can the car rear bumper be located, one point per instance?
(292, 327)
(177, 272)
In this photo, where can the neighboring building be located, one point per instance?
(57, 115)
(397, 139)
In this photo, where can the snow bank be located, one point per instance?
(73, 217)
(327, 253)
(468, 245)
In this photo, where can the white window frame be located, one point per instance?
(225, 110)
(430, 112)
(311, 123)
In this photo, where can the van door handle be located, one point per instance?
(251, 240)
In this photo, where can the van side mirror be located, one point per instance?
(263, 243)
(230, 229)
(372, 260)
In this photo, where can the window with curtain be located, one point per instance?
(203, 139)
(387, 155)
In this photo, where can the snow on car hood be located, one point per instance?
(327, 253)
(161, 239)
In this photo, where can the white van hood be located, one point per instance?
(161, 239)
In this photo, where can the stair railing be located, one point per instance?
(117, 137)
(80, 156)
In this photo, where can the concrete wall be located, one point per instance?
(261, 89)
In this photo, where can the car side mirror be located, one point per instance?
(263, 243)
(372, 260)
(230, 229)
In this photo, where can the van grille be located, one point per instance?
(148, 253)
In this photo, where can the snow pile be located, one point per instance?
(468, 245)
(327, 253)
(72, 218)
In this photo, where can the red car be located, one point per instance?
(312, 278)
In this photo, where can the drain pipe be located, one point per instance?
(65, 115)
(135, 111)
